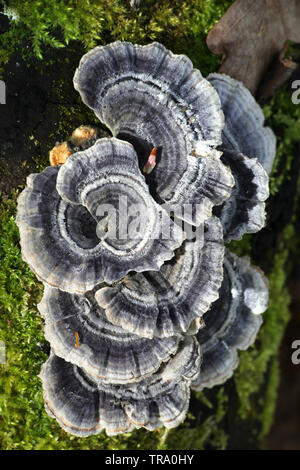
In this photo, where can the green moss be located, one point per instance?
(250, 375)
(241, 247)
(180, 25)
(284, 118)
(197, 433)
(269, 404)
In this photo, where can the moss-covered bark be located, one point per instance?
(236, 415)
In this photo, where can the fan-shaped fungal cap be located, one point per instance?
(184, 365)
(59, 236)
(244, 211)
(153, 98)
(103, 350)
(84, 407)
(74, 400)
(233, 320)
(244, 129)
(165, 303)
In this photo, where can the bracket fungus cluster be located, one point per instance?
(142, 302)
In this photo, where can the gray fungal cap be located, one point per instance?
(104, 351)
(244, 129)
(84, 407)
(165, 303)
(153, 98)
(58, 217)
(244, 211)
(232, 322)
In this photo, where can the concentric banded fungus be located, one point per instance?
(84, 407)
(128, 293)
(232, 322)
(244, 129)
(58, 234)
(165, 303)
(244, 211)
(153, 98)
(104, 351)
(247, 145)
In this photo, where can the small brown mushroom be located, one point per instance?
(83, 134)
(59, 154)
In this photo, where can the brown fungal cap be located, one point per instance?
(59, 154)
(82, 137)
(82, 134)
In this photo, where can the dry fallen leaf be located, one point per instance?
(251, 34)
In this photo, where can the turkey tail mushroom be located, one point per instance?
(244, 129)
(153, 98)
(60, 212)
(127, 235)
(83, 406)
(232, 322)
(105, 351)
(165, 303)
(244, 211)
